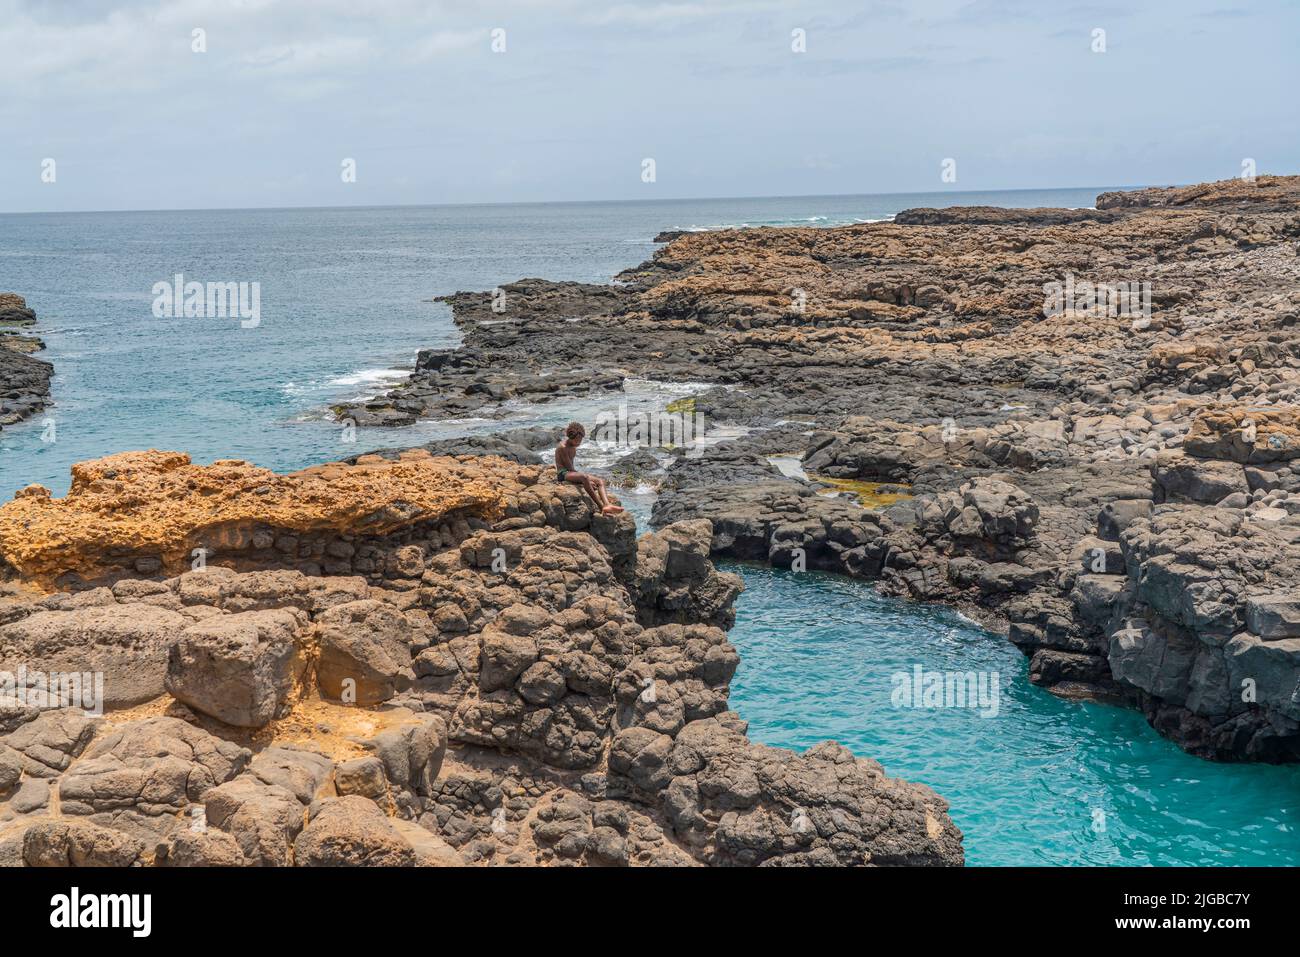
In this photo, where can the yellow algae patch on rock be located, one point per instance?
(868, 494)
(161, 504)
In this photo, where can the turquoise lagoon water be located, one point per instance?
(344, 303)
(1044, 781)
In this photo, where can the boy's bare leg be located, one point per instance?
(595, 489)
(597, 492)
(588, 484)
(606, 506)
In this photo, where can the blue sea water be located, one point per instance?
(1041, 781)
(344, 307)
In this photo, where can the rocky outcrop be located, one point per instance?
(374, 668)
(674, 581)
(24, 380)
(765, 516)
(988, 406)
(458, 382)
(351, 831)
(526, 683)
(736, 803)
(242, 669)
(523, 446)
(151, 511)
(139, 777)
(128, 646)
(999, 216)
(1203, 634)
(1248, 436)
(1262, 192)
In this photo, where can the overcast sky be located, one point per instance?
(585, 90)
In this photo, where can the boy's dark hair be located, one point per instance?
(574, 430)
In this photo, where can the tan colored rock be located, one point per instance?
(126, 644)
(159, 504)
(364, 655)
(78, 844)
(147, 771)
(242, 669)
(430, 850)
(206, 847)
(351, 831)
(1251, 436)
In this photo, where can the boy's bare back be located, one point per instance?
(564, 456)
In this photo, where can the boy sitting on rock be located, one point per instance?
(565, 453)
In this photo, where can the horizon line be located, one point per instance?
(558, 202)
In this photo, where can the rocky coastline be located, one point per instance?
(1079, 425)
(408, 660)
(441, 656)
(24, 379)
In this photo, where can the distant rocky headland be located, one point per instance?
(24, 380)
(1083, 423)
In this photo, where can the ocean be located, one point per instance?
(1038, 781)
(344, 306)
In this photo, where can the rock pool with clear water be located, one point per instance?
(1043, 781)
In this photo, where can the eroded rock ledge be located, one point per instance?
(420, 660)
(151, 510)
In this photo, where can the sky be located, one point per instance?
(111, 105)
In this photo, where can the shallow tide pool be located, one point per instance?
(1042, 781)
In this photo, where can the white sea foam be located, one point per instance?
(370, 377)
(372, 382)
(788, 465)
(648, 387)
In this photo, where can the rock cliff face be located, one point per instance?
(415, 660)
(1078, 424)
(24, 380)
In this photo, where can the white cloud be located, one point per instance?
(442, 42)
(665, 14)
(334, 54)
